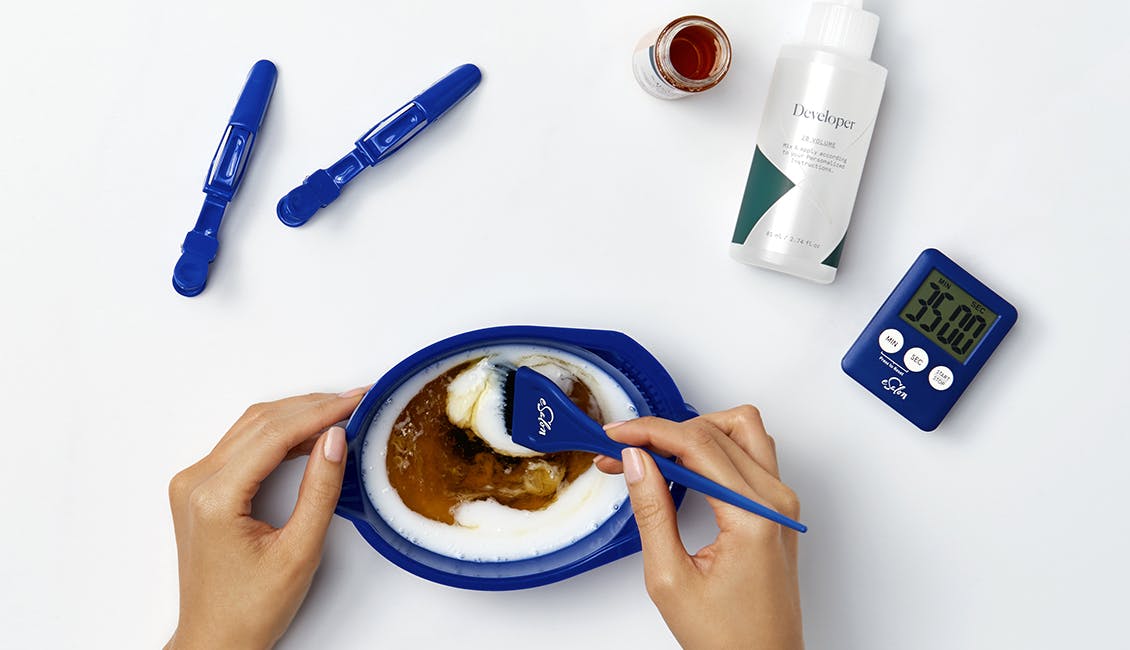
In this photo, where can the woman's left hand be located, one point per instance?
(241, 579)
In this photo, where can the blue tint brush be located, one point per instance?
(324, 185)
(541, 417)
(224, 176)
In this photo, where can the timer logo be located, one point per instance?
(894, 384)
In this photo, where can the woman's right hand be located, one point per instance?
(741, 590)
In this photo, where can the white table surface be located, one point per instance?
(561, 194)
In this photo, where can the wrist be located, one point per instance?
(185, 638)
(193, 638)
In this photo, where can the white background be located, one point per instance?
(559, 193)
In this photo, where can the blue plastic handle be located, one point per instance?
(687, 478)
(225, 174)
(252, 105)
(390, 134)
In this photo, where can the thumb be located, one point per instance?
(320, 489)
(665, 558)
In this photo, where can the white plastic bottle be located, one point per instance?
(813, 140)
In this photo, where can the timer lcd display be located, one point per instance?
(948, 316)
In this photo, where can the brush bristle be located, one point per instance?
(508, 400)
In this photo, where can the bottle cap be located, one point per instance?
(842, 25)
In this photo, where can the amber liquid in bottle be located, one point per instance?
(688, 56)
(694, 52)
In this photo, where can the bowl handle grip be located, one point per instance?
(351, 504)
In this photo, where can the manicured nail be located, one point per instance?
(360, 390)
(613, 425)
(333, 447)
(633, 465)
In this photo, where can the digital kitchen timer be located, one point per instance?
(929, 339)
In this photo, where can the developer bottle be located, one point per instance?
(811, 146)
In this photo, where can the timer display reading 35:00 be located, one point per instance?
(948, 316)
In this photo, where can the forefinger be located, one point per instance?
(692, 441)
(271, 435)
(256, 416)
(744, 426)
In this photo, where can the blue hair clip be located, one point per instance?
(324, 185)
(224, 175)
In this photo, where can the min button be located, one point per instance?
(890, 340)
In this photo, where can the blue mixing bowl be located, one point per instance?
(641, 376)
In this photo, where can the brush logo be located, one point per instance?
(545, 417)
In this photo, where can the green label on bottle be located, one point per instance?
(833, 259)
(764, 187)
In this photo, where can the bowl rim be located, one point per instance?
(617, 354)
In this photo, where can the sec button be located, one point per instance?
(916, 359)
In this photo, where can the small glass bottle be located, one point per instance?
(691, 54)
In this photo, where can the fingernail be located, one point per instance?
(633, 465)
(597, 458)
(360, 390)
(613, 425)
(333, 447)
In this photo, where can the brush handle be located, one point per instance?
(672, 471)
(543, 419)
